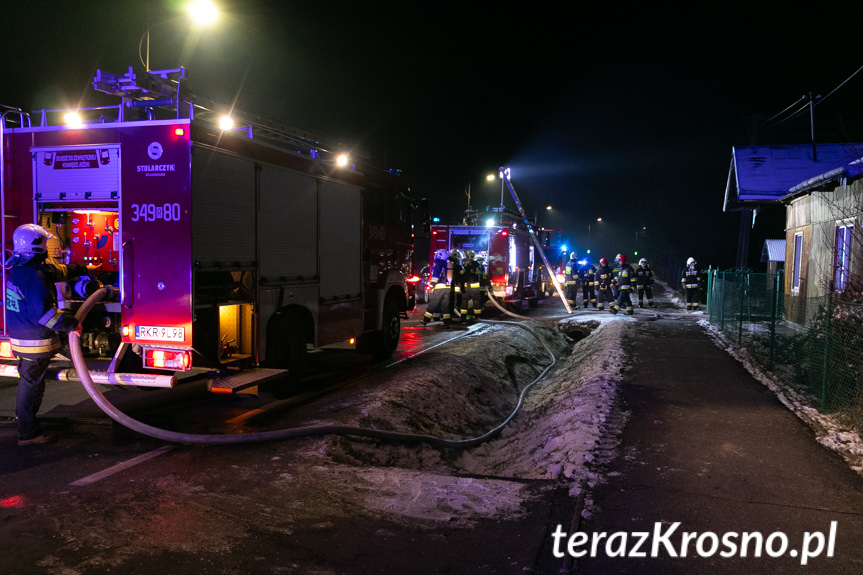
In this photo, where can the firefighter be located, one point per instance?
(453, 275)
(604, 280)
(34, 322)
(571, 273)
(471, 279)
(438, 307)
(689, 280)
(626, 283)
(644, 275)
(587, 275)
(615, 287)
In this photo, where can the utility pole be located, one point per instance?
(811, 100)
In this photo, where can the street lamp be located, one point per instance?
(635, 252)
(588, 233)
(202, 12)
(470, 213)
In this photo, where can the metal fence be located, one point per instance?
(814, 344)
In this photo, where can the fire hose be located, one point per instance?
(188, 438)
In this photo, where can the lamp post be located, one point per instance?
(470, 213)
(200, 12)
(635, 251)
(588, 233)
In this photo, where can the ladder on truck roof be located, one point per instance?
(168, 90)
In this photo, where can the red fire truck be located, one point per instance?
(502, 240)
(231, 249)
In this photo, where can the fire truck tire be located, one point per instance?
(288, 348)
(382, 344)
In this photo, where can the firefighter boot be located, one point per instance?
(614, 309)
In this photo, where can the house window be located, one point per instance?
(842, 256)
(798, 258)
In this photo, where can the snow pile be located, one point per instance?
(829, 430)
(569, 420)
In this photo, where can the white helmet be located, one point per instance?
(469, 255)
(642, 262)
(441, 254)
(455, 255)
(29, 241)
(691, 262)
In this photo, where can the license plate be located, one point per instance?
(160, 333)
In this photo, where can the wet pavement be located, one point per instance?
(705, 446)
(709, 447)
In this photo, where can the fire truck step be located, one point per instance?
(238, 382)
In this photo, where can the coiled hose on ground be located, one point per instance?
(257, 437)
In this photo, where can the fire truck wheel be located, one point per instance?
(288, 350)
(382, 344)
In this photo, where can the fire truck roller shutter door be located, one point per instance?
(286, 344)
(223, 194)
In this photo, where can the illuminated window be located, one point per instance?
(798, 258)
(842, 256)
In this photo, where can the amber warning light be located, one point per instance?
(171, 359)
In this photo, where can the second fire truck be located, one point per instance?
(504, 243)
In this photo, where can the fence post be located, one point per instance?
(826, 349)
(774, 309)
(722, 304)
(709, 289)
(740, 313)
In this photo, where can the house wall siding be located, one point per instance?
(817, 215)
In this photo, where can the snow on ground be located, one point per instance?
(568, 420)
(568, 424)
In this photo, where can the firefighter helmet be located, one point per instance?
(622, 259)
(469, 255)
(30, 240)
(455, 255)
(617, 258)
(603, 262)
(573, 256)
(691, 262)
(642, 262)
(441, 254)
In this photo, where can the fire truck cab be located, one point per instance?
(501, 239)
(230, 249)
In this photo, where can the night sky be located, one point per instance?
(624, 111)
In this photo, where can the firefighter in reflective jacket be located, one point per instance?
(34, 322)
(644, 275)
(571, 273)
(689, 280)
(472, 277)
(439, 299)
(587, 275)
(454, 275)
(626, 283)
(604, 279)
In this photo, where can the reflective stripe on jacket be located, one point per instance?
(33, 318)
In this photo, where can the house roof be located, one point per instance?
(765, 174)
(773, 251)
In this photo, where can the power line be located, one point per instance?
(800, 111)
